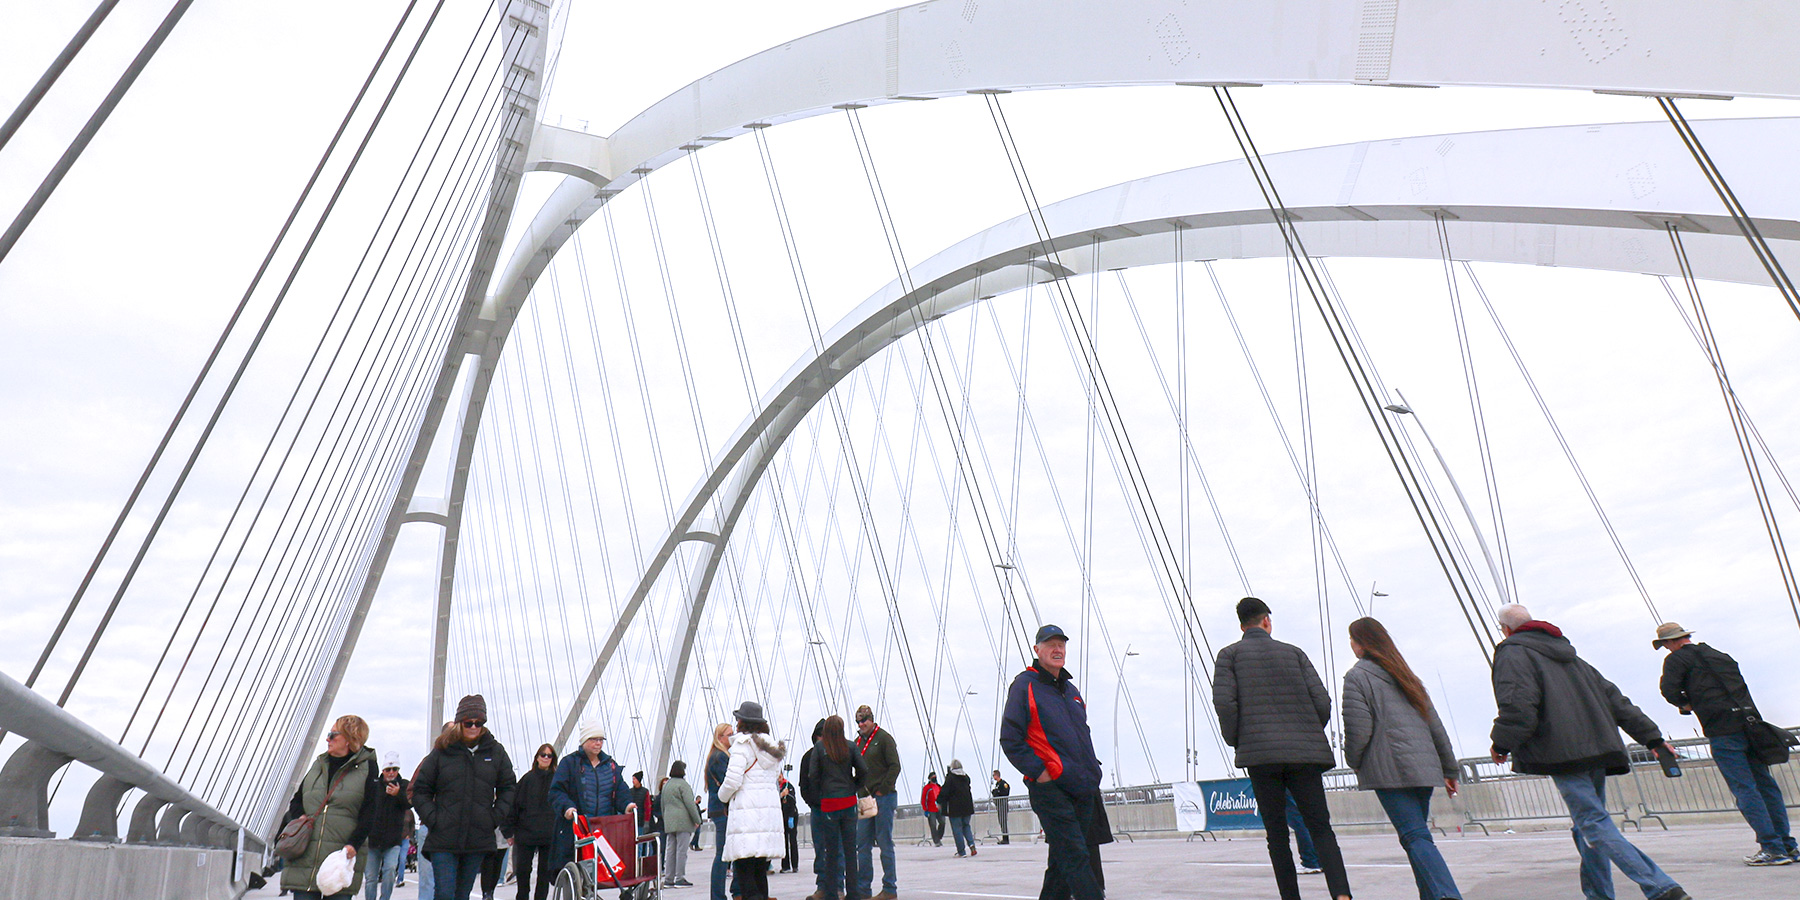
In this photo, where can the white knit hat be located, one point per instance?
(390, 760)
(590, 731)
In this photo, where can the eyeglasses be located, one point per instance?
(333, 735)
(862, 719)
(546, 756)
(473, 723)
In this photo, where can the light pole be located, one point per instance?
(1116, 691)
(1373, 593)
(1401, 409)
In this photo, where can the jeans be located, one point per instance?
(380, 867)
(1305, 783)
(721, 870)
(1065, 818)
(1410, 811)
(1309, 855)
(455, 873)
(959, 829)
(1599, 842)
(427, 885)
(834, 852)
(677, 850)
(877, 830)
(1000, 804)
(524, 857)
(1758, 796)
(936, 821)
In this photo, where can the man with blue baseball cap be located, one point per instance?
(1045, 735)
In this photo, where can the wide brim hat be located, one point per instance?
(1667, 632)
(750, 711)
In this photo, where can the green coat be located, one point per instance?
(680, 812)
(331, 830)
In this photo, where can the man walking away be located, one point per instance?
(1706, 683)
(1002, 793)
(1045, 735)
(387, 827)
(1559, 717)
(934, 817)
(1272, 709)
(881, 772)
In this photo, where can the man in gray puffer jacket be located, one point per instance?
(1273, 708)
(1558, 716)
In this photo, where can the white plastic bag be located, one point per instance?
(335, 874)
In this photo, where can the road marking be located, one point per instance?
(969, 894)
(1266, 865)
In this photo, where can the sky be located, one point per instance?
(121, 285)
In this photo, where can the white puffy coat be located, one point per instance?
(753, 829)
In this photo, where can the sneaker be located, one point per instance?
(973, 851)
(1674, 893)
(683, 882)
(961, 855)
(1311, 870)
(886, 895)
(1765, 858)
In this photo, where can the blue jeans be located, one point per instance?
(1410, 811)
(1601, 845)
(1758, 796)
(834, 852)
(877, 829)
(380, 867)
(721, 870)
(455, 873)
(959, 829)
(1309, 854)
(427, 885)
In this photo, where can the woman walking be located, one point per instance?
(957, 800)
(1399, 749)
(463, 792)
(333, 791)
(832, 773)
(753, 833)
(680, 816)
(718, 759)
(534, 825)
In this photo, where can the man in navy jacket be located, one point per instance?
(1045, 735)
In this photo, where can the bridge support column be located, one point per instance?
(194, 830)
(168, 825)
(100, 813)
(25, 790)
(143, 820)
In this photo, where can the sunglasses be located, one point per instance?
(546, 756)
(473, 723)
(862, 719)
(333, 735)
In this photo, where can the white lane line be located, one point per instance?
(970, 894)
(1266, 865)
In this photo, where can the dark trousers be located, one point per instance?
(834, 850)
(791, 862)
(1273, 784)
(491, 870)
(936, 821)
(752, 878)
(522, 864)
(1065, 818)
(454, 874)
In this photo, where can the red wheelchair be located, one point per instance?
(607, 856)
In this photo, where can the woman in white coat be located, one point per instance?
(753, 832)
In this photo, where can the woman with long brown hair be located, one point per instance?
(1399, 749)
(718, 759)
(833, 775)
(534, 823)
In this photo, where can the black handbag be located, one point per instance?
(1769, 744)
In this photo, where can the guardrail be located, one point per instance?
(167, 813)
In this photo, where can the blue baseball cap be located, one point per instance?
(1047, 632)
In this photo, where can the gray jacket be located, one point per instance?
(1386, 741)
(680, 812)
(1557, 714)
(1272, 706)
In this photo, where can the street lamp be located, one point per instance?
(1373, 593)
(1401, 409)
(1116, 691)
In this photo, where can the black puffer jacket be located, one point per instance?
(1708, 680)
(534, 822)
(462, 794)
(822, 779)
(1557, 714)
(387, 820)
(1272, 706)
(957, 798)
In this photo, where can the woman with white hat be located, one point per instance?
(588, 782)
(753, 832)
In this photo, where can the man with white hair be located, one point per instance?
(1558, 716)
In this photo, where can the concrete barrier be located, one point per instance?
(67, 870)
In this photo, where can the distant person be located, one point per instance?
(534, 824)
(830, 777)
(881, 775)
(928, 802)
(790, 827)
(753, 836)
(588, 782)
(680, 817)
(336, 791)
(386, 859)
(1705, 683)
(957, 803)
(1559, 717)
(463, 792)
(640, 799)
(1001, 792)
(1399, 749)
(1309, 854)
(1045, 735)
(718, 762)
(1272, 709)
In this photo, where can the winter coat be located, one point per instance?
(790, 807)
(754, 829)
(387, 819)
(342, 822)
(1386, 741)
(928, 798)
(1000, 789)
(534, 819)
(1044, 731)
(880, 762)
(1708, 680)
(958, 797)
(463, 793)
(589, 789)
(1271, 704)
(1557, 714)
(680, 814)
(822, 779)
(717, 761)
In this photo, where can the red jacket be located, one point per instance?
(928, 798)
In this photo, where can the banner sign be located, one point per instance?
(1230, 805)
(1190, 806)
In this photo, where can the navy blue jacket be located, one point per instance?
(607, 798)
(717, 762)
(1045, 731)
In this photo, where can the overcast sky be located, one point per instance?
(119, 288)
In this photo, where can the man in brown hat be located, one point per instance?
(1705, 683)
(881, 773)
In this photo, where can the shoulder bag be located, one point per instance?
(1769, 743)
(296, 836)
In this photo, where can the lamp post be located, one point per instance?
(1401, 409)
(1116, 692)
(1373, 593)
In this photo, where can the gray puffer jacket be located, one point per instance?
(1386, 741)
(1272, 706)
(1557, 714)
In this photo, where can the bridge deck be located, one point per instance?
(1704, 858)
